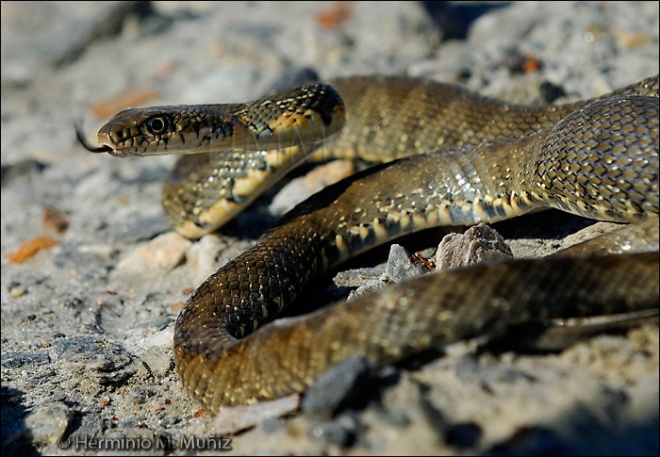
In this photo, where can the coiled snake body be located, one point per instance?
(489, 161)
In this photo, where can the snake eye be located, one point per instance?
(158, 125)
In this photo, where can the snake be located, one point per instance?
(449, 157)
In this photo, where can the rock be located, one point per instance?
(101, 361)
(48, 423)
(163, 253)
(478, 244)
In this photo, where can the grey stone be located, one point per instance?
(102, 361)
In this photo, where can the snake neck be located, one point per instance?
(394, 117)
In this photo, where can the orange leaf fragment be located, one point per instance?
(334, 16)
(176, 307)
(30, 248)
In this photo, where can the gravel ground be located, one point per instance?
(87, 320)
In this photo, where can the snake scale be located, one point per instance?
(453, 158)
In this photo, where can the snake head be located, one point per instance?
(162, 130)
(302, 116)
(141, 132)
(121, 136)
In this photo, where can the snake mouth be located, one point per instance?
(96, 150)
